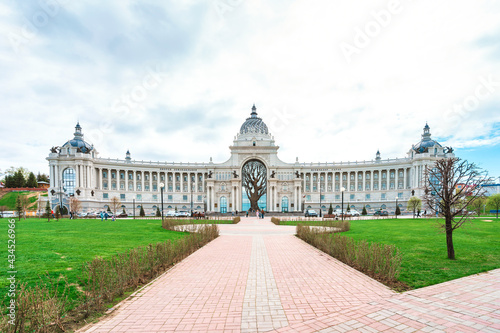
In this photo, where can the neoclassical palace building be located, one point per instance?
(77, 170)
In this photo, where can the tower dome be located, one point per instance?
(254, 124)
(78, 142)
(426, 142)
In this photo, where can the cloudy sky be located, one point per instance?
(174, 80)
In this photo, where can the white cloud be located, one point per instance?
(280, 55)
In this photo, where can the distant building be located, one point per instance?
(77, 170)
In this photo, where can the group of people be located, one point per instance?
(105, 215)
(258, 213)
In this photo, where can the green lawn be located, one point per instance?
(61, 247)
(423, 245)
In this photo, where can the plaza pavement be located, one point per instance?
(258, 277)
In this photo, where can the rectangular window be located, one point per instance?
(130, 176)
(185, 198)
(400, 195)
(113, 186)
(146, 177)
(178, 188)
(307, 188)
(199, 198)
(139, 188)
(322, 197)
(178, 178)
(375, 186)
(130, 187)
(155, 196)
(352, 177)
(155, 187)
(352, 187)
(104, 174)
(146, 187)
(200, 178)
(105, 196)
(122, 196)
(185, 178)
(138, 176)
(169, 197)
(200, 188)
(185, 188)
(337, 187)
(337, 197)
(154, 177)
(113, 175)
(336, 177)
(315, 188)
(170, 188)
(163, 178)
(383, 196)
(122, 186)
(352, 196)
(367, 197)
(122, 175)
(308, 198)
(139, 196)
(384, 186)
(360, 187)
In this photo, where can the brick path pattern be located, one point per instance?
(258, 277)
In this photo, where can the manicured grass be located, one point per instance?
(61, 247)
(423, 245)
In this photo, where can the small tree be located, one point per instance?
(398, 211)
(158, 213)
(141, 212)
(414, 205)
(478, 205)
(76, 205)
(58, 213)
(3, 209)
(364, 212)
(451, 185)
(348, 207)
(115, 204)
(494, 202)
(19, 207)
(123, 211)
(48, 211)
(330, 210)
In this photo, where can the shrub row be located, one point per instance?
(379, 261)
(43, 308)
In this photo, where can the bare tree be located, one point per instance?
(75, 204)
(414, 204)
(115, 204)
(255, 182)
(451, 185)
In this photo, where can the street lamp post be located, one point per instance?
(320, 210)
(342, 189)
(396, 210)
(162, 185)
(191, 188)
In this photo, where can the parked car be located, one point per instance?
(182, 213)
(123, 215)
(354, 212)
(170, 213)
(311, 213)
(381, 213)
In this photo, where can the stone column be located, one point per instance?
(404, 179)
(356, 175)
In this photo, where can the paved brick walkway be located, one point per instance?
(258, 277)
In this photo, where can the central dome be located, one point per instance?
(254, 124)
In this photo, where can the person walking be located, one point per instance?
(102, 216)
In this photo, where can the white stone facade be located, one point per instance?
(76, 169)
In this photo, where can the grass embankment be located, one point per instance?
(9, 199)
(423, 247)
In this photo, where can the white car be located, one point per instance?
(170, 213)
(354, 212)
(182, 213)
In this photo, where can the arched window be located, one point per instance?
(383, 206)
(284, 204)
(69, 178)
(223, 204)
